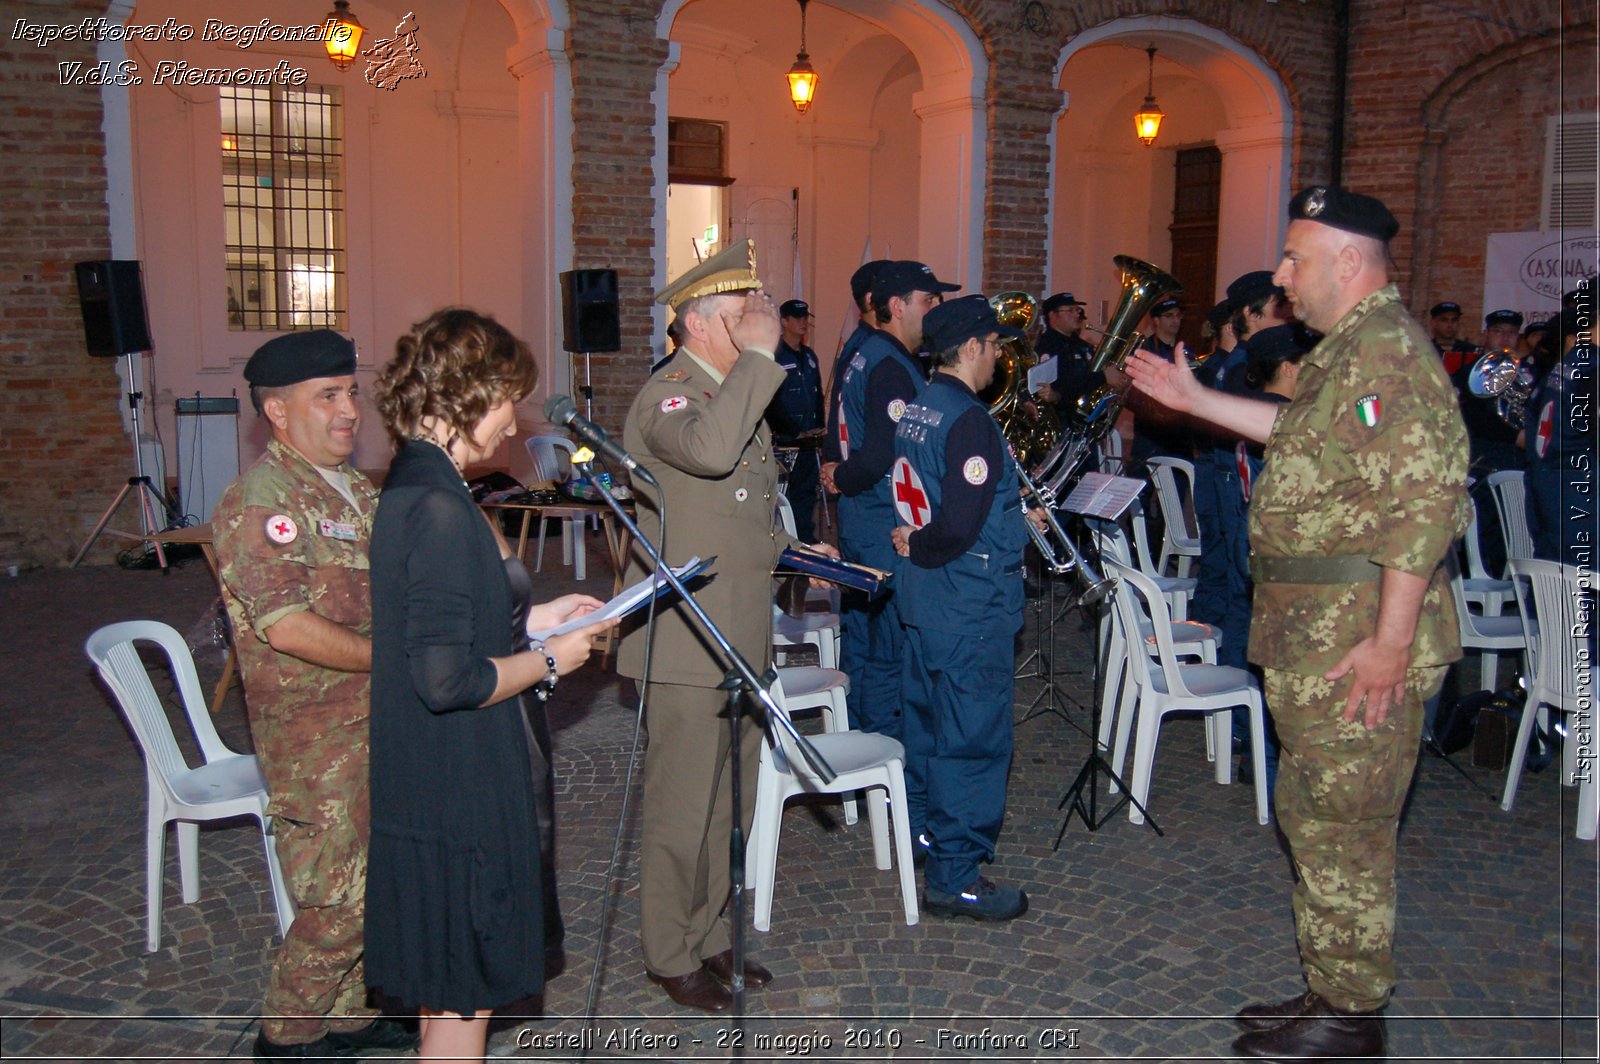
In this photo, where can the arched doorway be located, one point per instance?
(889, 159)
(1113, 195)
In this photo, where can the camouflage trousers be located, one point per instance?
(318, 981)
(1339, 793)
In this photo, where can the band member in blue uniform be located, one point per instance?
(959, 592)
(873, 389)
(1560, 443)
(795, 414)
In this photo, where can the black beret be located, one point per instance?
(861, 280)
(1252, 286)
(794, 308)
(1343, 209)
(1059, 300)
(301, 356)
(1446, 307)
(1502, 317)
(1167, 304)
(954, 322)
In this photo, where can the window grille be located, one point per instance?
(283, 207)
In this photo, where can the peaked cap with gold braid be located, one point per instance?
(732, 269)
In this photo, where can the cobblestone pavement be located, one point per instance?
(1136, 947)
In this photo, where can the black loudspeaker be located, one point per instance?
(111, 293)
(589, 319)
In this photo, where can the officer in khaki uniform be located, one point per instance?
(1362, 494)
(697, 425)
(292, 534)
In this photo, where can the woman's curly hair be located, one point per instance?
(454, 366)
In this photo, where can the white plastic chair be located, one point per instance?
(1511, 501)
(805, 687)
(552, 462)
(1108, 454)
(862, 761)
(820, 630)
(1112, 542)
(1163, 686)
(226, 785)
(1486, 634)
(1190, 639)
(1174, 481)
(1477, 585)
(1549, 607)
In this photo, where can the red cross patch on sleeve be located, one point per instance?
(282, 530)
(910, 500)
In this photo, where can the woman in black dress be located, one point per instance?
(460, 885)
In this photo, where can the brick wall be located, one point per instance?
(615, 58)
(1450, 134)
(1294, 39)
(63, 453)
(1417, 111)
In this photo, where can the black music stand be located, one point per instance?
(1102, 496)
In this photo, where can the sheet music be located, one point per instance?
(1042, 374)
(1103, 495)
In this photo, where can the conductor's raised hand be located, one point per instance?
(1171, 384)
(758, 326)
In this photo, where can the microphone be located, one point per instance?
(562, 411)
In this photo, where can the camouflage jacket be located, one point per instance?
(1368, 461)
(286, 540)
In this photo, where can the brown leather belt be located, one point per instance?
(1336, 569)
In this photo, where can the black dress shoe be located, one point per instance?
(697, 990)
(1323, 1033)
(1261, 1017)
(721, 968)
(322, 1049)
(381, 1033)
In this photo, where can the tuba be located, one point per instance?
(1497, 375)
(1095, 414)
(1029, 427)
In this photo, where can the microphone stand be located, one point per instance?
(741, 678)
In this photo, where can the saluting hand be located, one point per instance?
(758, 326)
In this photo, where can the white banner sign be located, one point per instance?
(1528, 272)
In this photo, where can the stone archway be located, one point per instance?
(837, 139)
(1215, 89)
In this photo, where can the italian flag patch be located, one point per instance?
(1369, 408)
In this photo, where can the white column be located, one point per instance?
(950, 230)
(841, 179)
(544, 132)
(1251, 218)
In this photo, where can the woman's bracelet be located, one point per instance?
(545, 687)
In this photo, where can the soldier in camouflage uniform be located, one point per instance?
(291, 538)
(1362, 495)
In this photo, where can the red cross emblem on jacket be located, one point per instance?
(910, 500)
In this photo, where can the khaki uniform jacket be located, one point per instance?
(708, 446)
(1368, 461)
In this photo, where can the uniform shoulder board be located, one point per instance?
(675, 376)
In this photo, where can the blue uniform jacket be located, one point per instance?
(954, 482)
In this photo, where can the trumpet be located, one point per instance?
(1060, 556)
(1498, 376)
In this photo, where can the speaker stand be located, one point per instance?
(150, 501)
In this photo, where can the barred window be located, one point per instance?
(283, 206)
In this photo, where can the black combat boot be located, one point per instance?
(1320, 1032)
